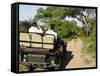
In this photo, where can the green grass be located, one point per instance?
(89, 45)
(87, 61)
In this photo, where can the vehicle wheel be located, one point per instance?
(31, 67)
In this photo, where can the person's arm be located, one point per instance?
(33, 29)
(29, 30)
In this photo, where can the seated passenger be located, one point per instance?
(35, 28)
(51, 31)
(60, 42)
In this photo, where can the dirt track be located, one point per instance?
(79, 59)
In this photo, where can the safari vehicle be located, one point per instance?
(39, 51)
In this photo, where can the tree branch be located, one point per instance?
(84, 17)
(80, 19)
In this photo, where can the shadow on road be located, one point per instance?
(65, 59)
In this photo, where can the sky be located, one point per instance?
(27, 12)
(78, 22)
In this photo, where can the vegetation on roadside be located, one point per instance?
(90, 41)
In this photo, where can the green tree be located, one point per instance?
(81, 14)
(24, 26)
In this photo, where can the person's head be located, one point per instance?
(52, 26)
(34, 24)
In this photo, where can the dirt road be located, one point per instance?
(79, 59)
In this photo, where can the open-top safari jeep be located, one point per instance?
(39, 51)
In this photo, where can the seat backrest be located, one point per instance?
(49, 40)
(36, 40)
(24, 37)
